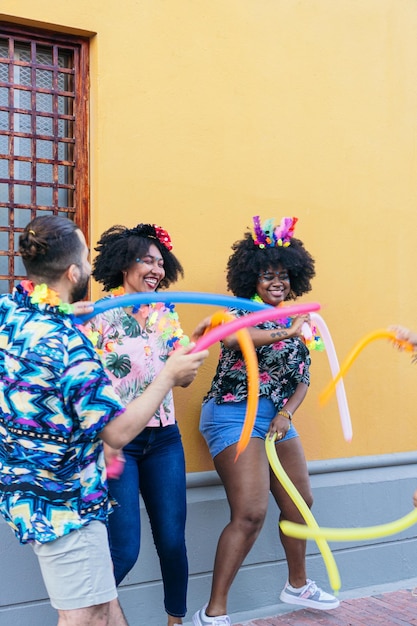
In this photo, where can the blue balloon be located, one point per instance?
(189, 297)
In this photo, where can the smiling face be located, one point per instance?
(146, 273)
(273, 285)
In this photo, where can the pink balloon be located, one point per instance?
(218, 333)
(334, 368)
(270, 313)
(115, 467)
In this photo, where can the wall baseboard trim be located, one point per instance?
(210, 478)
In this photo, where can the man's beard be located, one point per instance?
(80, 290)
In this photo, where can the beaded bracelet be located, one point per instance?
(285, 413)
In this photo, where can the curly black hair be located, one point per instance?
(249, 260)
(119, 247)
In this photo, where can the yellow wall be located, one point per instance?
(204, 113)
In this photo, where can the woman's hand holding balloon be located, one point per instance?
(407, 340)
(279, 426)
(182, 366)
(296, 328)
(403, 334)
(202, 328)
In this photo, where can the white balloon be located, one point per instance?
(334, 367)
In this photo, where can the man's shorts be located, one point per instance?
(77, 568)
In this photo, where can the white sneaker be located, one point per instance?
(201, 619)
(309, 596)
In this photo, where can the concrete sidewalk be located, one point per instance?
(388, 609)
(392, 604)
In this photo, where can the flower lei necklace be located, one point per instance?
(313, 341)
(168, 324)
(42, 294)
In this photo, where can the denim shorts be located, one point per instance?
(77, 569)
(221, 424)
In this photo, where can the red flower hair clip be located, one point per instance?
(163, 237)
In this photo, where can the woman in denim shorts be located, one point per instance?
(269, 266)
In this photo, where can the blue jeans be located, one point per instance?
(155, 466)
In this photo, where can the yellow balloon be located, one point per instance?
(376, 334)
(332, 571)
(349, 534)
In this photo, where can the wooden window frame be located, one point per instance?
(79, 211)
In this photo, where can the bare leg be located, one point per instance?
(108, 614)
(246, 482)
(291, 456)
(116, 615)
(174, 620)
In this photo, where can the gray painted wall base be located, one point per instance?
(363, 491)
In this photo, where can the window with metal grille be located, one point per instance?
(43, 137)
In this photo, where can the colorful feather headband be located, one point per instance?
(266, 236)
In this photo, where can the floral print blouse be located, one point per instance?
(282, 366)
(133, 356)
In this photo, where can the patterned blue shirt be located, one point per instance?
(55, 398)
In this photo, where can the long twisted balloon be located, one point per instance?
(251, 360)
(332, 571)
(353, 354)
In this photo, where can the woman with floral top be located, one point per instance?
(134, 343)
(271, 267)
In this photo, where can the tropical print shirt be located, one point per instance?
(282, 366)
(55, 398)
(133, 355)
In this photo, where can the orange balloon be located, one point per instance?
(251, 361)
(377, 334)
